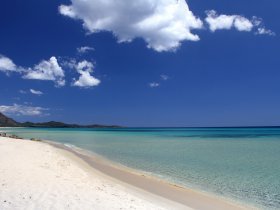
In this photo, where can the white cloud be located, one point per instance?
(47, 70)
(36, 92)
(218, 22)
(52, 71)
(164, 77)
(86, 80)
(84, 49)
(240, 23)
(84, 66)
(264, 31)
(163, 24)
(22, 110)
(67, 11)
(243, 24)
(7, 65)
(226, 22)
(154, 84)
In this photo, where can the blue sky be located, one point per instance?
(200, 63)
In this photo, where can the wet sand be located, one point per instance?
(188, 197)
(51, 175)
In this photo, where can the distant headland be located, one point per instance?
(9, 122)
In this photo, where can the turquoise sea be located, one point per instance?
(242, 164)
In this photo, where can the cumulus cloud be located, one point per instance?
(243, 24)
(7, 65)
(84, 49)
(154, 84)
(162, 24)
(84, 66)
(219, 22)
(23, 110)
(240, 23)
(86, 80)
(47, 70)
(36, 92)
(50, 70)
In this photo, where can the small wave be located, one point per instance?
(71, 146)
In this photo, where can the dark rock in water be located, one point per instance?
(10, 136)
(3, 134)
(33, 139)
(14, 137)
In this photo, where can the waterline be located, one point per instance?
(239, 164)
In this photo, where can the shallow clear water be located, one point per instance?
(238, 163)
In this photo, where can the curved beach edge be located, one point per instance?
(182, 197)
(37, 175)
(151, 190)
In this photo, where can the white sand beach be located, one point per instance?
(36, 175)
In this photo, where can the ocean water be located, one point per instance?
(242, 164)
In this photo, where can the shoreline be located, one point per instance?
(188, 197)
(37, 175)
(168, 193)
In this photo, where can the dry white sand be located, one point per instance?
(35, 175)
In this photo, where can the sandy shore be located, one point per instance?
(36, 175)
